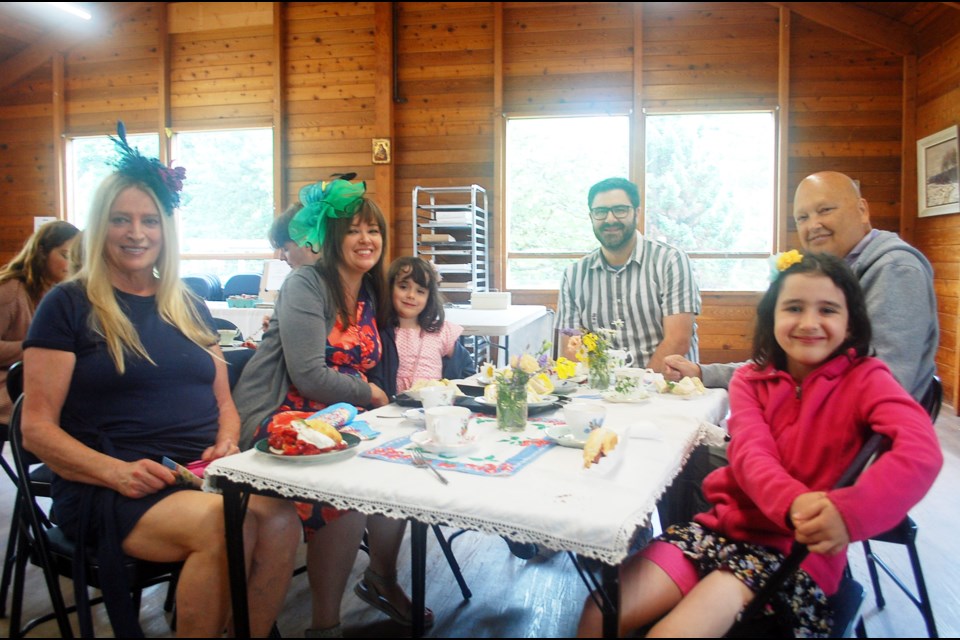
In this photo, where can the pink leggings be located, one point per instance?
(676, 565)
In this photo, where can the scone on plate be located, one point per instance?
(599, 443)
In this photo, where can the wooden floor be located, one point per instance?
(543, 597)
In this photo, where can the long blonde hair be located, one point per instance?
(29, 265)
(174, 302)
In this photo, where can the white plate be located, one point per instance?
(263, 448)
(414, 415)
(613, 396)
(562, 436)
(547, 400)
(422, 440)
(482, 379)
(563, 387)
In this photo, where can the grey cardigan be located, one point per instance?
(293, 350)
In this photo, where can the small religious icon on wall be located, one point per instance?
(381, 151)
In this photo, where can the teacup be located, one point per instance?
(629, 381)
(584, 417)
(227, 336)
(448, 425)
(619, 358)
(436, 396)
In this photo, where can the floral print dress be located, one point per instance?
(353, 351)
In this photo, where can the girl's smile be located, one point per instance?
(409, 300)
(810, 321)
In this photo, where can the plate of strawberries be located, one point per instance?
(306, 440)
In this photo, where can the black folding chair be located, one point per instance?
(905, 534)
(848, 599)
(40, 477)
(46, 546)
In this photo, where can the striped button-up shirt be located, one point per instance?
(656, 281)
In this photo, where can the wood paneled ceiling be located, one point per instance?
(31, 32)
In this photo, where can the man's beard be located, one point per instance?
(614, 245)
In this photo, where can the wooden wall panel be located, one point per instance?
(689, 59)
(243, 90)
(114, 78)
(28, 184)
(444, 118)
(938, 97)
(845, 115)
(329, 96)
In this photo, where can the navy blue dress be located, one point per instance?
(165, 408)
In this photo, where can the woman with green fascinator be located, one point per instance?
(319, 345)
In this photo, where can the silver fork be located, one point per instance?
(420, 461)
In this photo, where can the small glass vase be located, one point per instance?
(598, 374)
(511, 408)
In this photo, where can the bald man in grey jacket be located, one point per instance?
(897, 280)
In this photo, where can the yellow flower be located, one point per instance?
(788, 259)
(566, 368)
(529, 364)
(590, 341)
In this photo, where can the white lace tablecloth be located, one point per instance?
(553, 502)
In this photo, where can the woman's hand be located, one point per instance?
(677, 367)
(141, 478)
(225, 447)
(818, 524)
(377, 396)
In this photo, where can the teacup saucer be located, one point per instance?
(414, 415)
(422, 440)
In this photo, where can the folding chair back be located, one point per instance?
(46, 546)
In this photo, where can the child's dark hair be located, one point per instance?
(422, 273)
(767, 351)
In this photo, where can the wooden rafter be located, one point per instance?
(854, 21)
(58, 41)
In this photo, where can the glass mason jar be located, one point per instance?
(598, 373)
(511, 407)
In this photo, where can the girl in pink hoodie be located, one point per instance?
(799, 415)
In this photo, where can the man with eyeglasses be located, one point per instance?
(642, 289)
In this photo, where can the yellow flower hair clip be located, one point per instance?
(782, 262)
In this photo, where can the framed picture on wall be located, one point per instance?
(938, 173)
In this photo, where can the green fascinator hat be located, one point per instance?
(323, 201)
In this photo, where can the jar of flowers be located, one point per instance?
(513, 385)
(593, 350)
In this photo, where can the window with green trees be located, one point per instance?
(226, 207)
(709, 189)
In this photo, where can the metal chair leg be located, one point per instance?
(452, 561)
(874, 576)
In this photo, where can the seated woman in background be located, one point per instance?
(122, 368)
(290, 252)
(41, 263)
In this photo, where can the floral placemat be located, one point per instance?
(499, 453)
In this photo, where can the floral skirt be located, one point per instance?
(800, 605)
(313, 515)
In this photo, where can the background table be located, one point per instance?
(528, 325)
(553, 502)
(249, 320)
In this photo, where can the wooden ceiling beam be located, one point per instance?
(60, 41)
(863, 24)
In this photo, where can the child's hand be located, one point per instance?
(818, 524)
